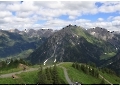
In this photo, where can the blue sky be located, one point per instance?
(98, 4)
(57, 14)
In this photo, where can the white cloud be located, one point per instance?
(56, 23)
(109, 7)
(72, 17)
(82, 21)
(116, 18)
(116, 23)
(2, 22)
(26, 14)
(25, 6)
(78, 4)
(70, 8)
(9, 2)
(2, 6)
(8, 19)
(49, 13)
(13, 7)
(49, 4)
(5, 14)
(28, 6)
(100, 19)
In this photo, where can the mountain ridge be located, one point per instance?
(68, 44)
(15, 42)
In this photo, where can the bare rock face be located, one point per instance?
(39, 33)
(109, 36)
(100, 33)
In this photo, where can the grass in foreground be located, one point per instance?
(29, 78)
(10, 71)
(80, 76)
(74, 74)
(23, 78)
(112, 78)
(61, 75)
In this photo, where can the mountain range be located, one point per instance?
(112, 37)
(70, 44)
(13, 42)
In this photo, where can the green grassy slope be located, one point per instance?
(107, 55)
(112, 78)
(83, 78)
(100, 43)
(29, 78)
(23, 78)
(74, 74)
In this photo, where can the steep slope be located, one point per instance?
(80, 73)
(72, 43)
(110, 36)
(113, 63)
(114, 39)
(14, 42)
(100, 33)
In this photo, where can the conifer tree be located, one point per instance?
(49, 76)
(42, 77)
(56, 79)
(96, 73)
(50, 69)
(86, 70)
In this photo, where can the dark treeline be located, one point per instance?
(49, 76)
(92, 70)
(109, 71)
(86, 69)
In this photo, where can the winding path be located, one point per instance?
(66, 76)
(30, 69)
(10, 74)
(105, 79)
(33, 69)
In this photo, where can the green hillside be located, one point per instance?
(107, 47)
(81, 77)
(29, 78)
(75, 75)
(13, 44)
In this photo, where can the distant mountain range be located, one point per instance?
(110, 36)
(70, 44)
(33, 33)
(113, 38)
(13, 42)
